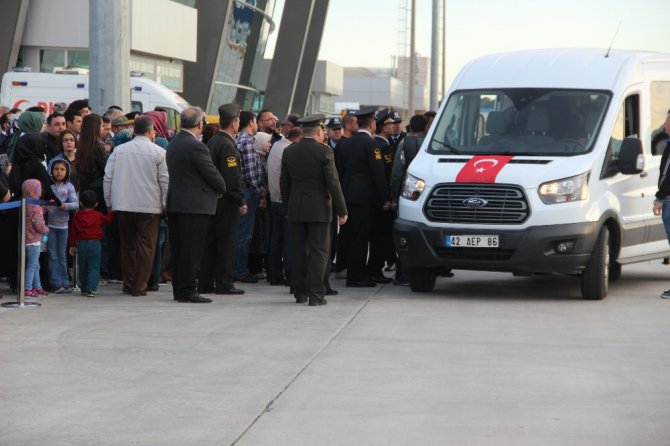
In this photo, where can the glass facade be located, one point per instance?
(245, 34)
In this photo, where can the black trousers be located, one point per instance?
(310, 249)
(188, 233)
(381, 241)
(359, 227)
(218, 261)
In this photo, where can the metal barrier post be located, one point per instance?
(21, 302)
(75, 274)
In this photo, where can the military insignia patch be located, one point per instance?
(388, 158)
(232, 161)
(378, 154)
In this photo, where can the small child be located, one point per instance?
(35, 230)
(85, 236)
(58, 219)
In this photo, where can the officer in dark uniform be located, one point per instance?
(334, 126)
(398, 133)
(218, 263)
(381, 240)
(310, 190)
(365, 189)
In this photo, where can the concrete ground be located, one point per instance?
(486, 359)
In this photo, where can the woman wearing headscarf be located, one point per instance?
(159, 120)
(28, 122)
(29, 156)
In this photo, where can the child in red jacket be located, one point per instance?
(85, 236)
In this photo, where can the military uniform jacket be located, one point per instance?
(361, 169)
(194, 181)
(226, 158)
(309, 183)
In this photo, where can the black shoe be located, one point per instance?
(275, 282)
(301, 300)
(126, 290)
(401, 282)
(246, 279)
(195, 298)
(152, 288)
(315, 302)
(331, 292)
(380, 279)
(361, 284)
(232, 290)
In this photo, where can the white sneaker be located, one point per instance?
(665, 294)
(341, 274)
(60, 290)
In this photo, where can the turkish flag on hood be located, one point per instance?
(482, 169)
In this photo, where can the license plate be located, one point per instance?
(472, 241)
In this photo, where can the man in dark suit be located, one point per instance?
(218, 263)
(361, 168)
(310, 190)
(194, 187)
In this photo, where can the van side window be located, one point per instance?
(136, 106)
(627, 124)
(659, 95)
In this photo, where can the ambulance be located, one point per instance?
(540, 162)
(26, 89)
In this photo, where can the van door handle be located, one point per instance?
(644, 174)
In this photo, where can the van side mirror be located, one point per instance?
(631, 157)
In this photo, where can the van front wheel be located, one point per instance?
(422, 279)
(595, 278)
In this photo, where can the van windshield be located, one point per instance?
(520, 121)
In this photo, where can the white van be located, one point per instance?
(540, 162)
(25, 89)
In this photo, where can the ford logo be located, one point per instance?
(475, 202)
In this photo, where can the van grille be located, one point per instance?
(505, 204)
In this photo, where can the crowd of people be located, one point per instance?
(210, 208)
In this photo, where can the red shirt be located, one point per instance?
(87, 225)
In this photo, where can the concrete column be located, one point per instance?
(294, 60)
(12, 21)
(412, 62)
(434, 55)
(109, 54)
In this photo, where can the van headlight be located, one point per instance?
(412, 187)
(565, 190)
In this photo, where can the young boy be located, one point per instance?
(58, 218)
(85, 241)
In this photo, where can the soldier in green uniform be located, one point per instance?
(310, 189)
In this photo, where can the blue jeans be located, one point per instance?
(278, 250)
(88, 262)
(246, 232)
(57, 249)
(33, 267)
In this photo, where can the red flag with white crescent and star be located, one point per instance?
(482, 168)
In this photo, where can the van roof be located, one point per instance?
(555, 68)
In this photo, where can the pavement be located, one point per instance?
(485, 359)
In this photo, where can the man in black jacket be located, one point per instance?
(364, 185)
(218, 263)
(194, 187)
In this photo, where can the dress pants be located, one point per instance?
(188, 233)
(138, 232)
(359, 226)
(310, 247)
(218, 262)
(381, 241)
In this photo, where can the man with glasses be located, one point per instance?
(267, 123)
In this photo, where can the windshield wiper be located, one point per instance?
(448, 146)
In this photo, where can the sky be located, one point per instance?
(367, 32)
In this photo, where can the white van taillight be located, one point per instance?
(565, 190)
(412, 187)
(19, 84)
